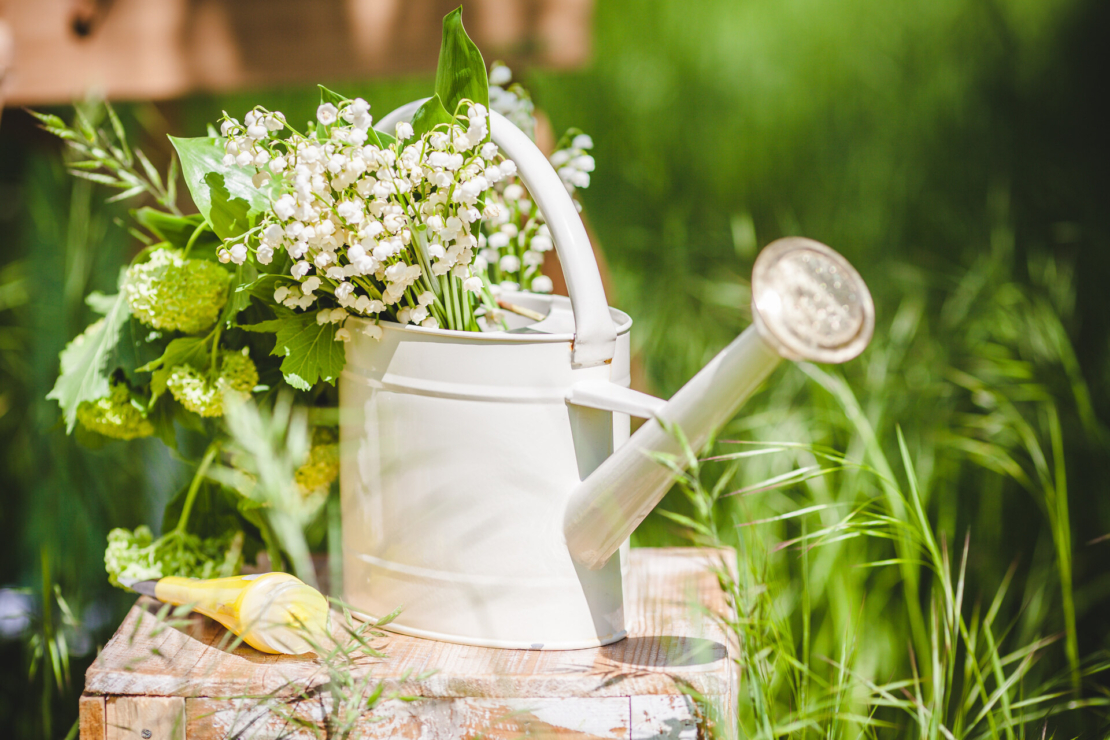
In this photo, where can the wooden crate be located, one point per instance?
(156, 682)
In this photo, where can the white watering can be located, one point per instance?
(488, 478)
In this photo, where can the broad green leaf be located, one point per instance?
(102, 304)
(310, 351)
(225, 195)
(264, 327)
(461, 72)
(429, 115)
(177, 230)
(84, 365)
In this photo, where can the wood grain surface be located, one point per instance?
(637, 687)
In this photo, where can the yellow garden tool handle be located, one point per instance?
(272, 612)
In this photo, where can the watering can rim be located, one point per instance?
(621, 320)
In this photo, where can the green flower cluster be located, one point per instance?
(137, 556)
(195, 391)
(170, 292)
(322, 467)
(116, 415)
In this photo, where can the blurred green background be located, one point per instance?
(955, 151)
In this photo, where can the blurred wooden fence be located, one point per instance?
(54, 51)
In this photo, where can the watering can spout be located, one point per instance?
(808, 303)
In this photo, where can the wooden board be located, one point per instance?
(54, 51)
(637, 687)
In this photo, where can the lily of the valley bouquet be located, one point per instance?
(305, 234)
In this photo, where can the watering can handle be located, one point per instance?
(595, 336)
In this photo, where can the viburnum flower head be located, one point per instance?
(116, 415)
(198, 393)
(170, 292)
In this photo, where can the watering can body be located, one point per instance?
(488, 479)
(459, 452)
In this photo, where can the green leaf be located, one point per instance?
(461, 72)
(331, 96)
(102, 304)
(225, 195)
(184, 351)
(84, 367)
(239, 296)
(176, 230)
(161, 415)
(430, 115)
(310, 351)
(264, 327)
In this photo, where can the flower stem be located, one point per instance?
(190, 497)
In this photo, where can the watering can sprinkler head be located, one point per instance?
(808, 303)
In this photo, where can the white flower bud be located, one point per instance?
(373, 331)
(542, 284)
(310, 285)
(323, 317)
(239, 254)
(224, 256)
(300, 269)
(582, 141)
(473, 284)
(403, 130)
(342, 334)
(500, 75)
(265, 255)
(509, 263)
(284, 206)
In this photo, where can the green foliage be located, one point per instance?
(429, 115)
(84, 362)
(461, 72)
(224, 194)
(310, 350)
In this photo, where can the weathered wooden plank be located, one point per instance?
(141, 49)
(664, 718)
(145, 718)
(671, 597)
(92, 724)
(427, 719)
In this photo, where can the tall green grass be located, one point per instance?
(872, 593)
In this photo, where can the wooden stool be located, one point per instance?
(158, 682)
